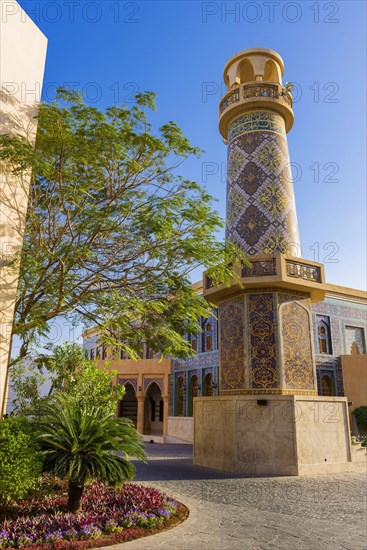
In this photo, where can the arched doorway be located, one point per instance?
(208, 385)
(193, 393)
(129, 405)
(327, 386)
(153, 410)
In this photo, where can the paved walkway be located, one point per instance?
(258, 513)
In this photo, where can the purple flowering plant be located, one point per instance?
(38, 522)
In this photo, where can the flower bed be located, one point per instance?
(109, 515)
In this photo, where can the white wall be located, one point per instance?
(22, 59)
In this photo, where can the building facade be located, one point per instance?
(160, 393)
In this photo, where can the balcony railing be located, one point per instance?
(255, 89)
(303, 271)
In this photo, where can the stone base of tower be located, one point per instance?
(273, 435)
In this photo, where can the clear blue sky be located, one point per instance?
(113, 48)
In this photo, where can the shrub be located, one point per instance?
(360, 414)
(81, 442)
(20, 461)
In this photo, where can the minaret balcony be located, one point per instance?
(257, 95)
(272, 271)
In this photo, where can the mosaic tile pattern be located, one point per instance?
(148, 381)
(297, 360)
(232, 357)
(261, 212)
(262, 327)
(132, 381)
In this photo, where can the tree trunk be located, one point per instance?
(75, 497)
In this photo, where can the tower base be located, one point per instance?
(273, 435)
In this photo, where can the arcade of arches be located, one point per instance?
(147, 410)
(146, 401)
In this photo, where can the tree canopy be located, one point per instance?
(113, 231)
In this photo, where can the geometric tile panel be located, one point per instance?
(232, 358)
(297, 336)
(261, 211)
(262, 327)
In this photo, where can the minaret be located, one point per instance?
(268, 418)
(265, 328)
(254, 118)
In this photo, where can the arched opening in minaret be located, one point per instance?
(245, 72)
(271, 71)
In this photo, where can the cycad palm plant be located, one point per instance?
(83, 442)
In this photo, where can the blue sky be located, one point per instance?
(111, 49)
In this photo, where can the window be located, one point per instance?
(208, 384)
(323, 334)
(98, 353)
(91, 354)
(208, 336)
(104, 352)
(194, 342)
(180, 396)
(355, 340)
(161, 411)
(327, 386)
(193, 393)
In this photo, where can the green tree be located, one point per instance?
(113, 231)
(68, 370)
(26, 382)
(20, 461)
(360, 414)
(83, 442)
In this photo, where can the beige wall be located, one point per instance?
(181, 427)
(290, 435)
(354, 369)
(22, 59)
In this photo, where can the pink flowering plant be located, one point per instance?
(46, 522)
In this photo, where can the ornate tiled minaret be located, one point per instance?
(268, 418)
(266, 343)
(255, 116)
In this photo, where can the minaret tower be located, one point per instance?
(254, 118)
(266, 343)
(268, 418)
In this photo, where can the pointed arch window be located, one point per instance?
(327, 386)
(194, 390)
(324, 336)
(180, 396)
(208, 385)
(193, 339)
(208, 334)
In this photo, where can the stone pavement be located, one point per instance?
(259, 513)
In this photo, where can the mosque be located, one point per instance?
(287, 338)
(280, 365)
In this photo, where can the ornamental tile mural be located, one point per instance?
(297, 357)
(251, 178)
(148, 381)
(132, 381)
(256, 121)
(273, 199)
(270, 156)
(253, 223)
(232, 356)
(263, 340)
(261, 210)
